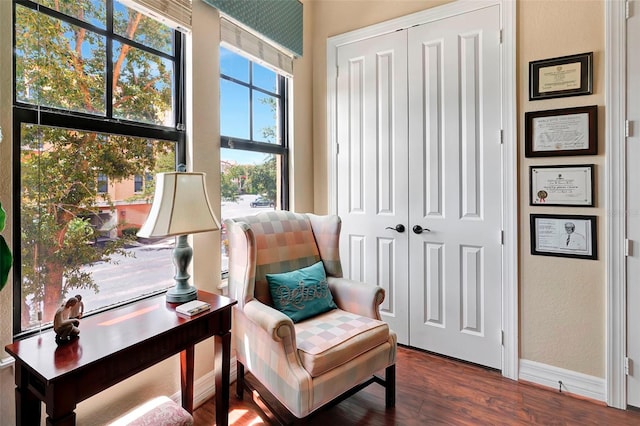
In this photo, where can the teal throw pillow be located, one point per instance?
(302, 293)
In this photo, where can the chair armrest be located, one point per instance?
(356, 297)
(273, 322)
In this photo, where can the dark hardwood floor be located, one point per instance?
(433, 390)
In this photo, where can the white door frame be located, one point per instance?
(509, 159)
(615, 201)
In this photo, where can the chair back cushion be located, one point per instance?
(284, 242)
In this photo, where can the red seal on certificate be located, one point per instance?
(542, 196)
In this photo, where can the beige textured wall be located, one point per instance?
(6, 89)
(301, 103)
(562, 301)
(203, 133)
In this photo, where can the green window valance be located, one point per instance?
(278, 20)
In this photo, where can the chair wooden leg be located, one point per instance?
(239, 380)
(390, 386)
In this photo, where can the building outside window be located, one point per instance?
(96, 104)
(254, 140)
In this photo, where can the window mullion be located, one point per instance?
(283, 134)
(180, 102)
(248, 145)
(282, 116)
(109, 64)
(251, 101)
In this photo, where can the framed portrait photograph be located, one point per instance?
(563, 76)
(570, 185)
(558, 132)
(564, 236)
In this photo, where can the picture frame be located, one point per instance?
(570, 75)
(562, 185)
(561, 132)
(564, 236)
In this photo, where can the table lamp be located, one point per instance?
(180, 207)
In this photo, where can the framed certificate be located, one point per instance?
(567, 131)
(570, 185)
(564, 76)
(563, 236)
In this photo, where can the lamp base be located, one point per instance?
(181, 294)
(182, 291)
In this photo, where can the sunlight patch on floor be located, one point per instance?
(243, 417)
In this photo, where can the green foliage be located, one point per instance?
(51, 68)
(262, 178)
(228, 188)
(130, 232)
(6, 260)
(250, 179)
(269, 133)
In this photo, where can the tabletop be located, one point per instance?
(106, 333)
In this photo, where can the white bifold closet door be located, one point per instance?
(419, 121)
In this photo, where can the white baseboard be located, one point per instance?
(204, 388)
(572, 382)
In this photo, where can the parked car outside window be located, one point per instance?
(262, 202)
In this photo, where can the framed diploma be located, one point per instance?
(567, 131)
(561, 185)
(564, 76)
(564, 236)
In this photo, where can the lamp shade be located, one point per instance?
(180, 206)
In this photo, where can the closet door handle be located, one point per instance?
(398, 228)
(417, 229)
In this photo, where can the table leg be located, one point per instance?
(222, 368)
(27, 408)
(27, 404)
(68, 420)
(186, 377)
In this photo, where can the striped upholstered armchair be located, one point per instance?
(304, 363)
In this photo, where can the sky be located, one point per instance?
(234, 104)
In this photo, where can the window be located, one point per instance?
(96, 103)
(103, 181)
(137, 183)
(254, 140)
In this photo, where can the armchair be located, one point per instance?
(307, 364)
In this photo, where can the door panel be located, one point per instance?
(372, 169)
(469, 120)
(432, 173)
(433, 303)
(454, 129)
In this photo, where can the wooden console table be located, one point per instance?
(113, 346)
